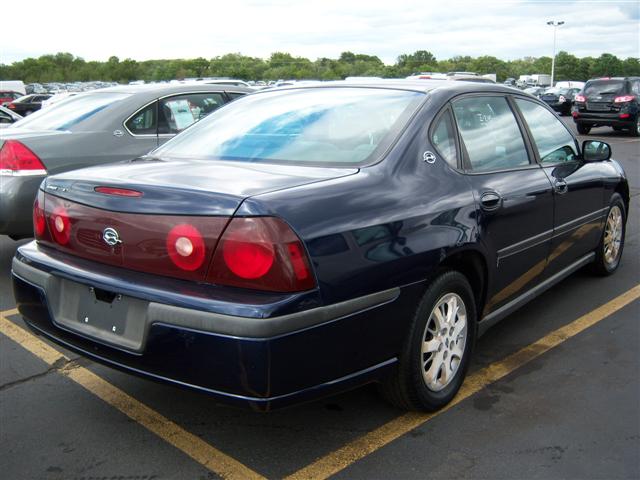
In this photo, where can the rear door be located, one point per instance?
(600, 94)
(514, 196)
(578, 186)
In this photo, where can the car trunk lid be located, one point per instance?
(150, 205)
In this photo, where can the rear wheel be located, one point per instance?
(583, 128)
(436, 352)
(635, 129)
(611, 244)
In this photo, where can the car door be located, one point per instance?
(578, 187)
(178, 112)
(514, 196)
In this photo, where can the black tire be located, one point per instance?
(583, 128)
(407, 388)
(634, 130)
(617, 129)
(604, 265)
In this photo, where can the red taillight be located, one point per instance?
(261, 253)
(580, 98)
(11, 106)
(121, 192)
(624, 98)
(17, 159)
(575, 114)
(60, 225)
(624, 115)
(186, 247)
(39, 220)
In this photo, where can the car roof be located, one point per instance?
(169, 88)
(424, 85)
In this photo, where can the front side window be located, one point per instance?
(181, 111)
(327, 126)
(490, 134)
(554, 143)
(443, 138)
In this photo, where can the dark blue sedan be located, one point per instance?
(305, 241)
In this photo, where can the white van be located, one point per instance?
(13, 86)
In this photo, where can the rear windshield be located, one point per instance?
(326, 126)
(70, 112)
(603, 87)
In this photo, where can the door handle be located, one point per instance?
(560, 186)
(490, 201)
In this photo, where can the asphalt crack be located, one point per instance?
(61, 365)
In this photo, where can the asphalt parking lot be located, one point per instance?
(554, 392)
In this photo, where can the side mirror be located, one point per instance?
(595, 151)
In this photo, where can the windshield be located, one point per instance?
(306, 126)
(603, 87)
(69, 112)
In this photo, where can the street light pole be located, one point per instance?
(555, 26)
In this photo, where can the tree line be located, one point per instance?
(65, 67)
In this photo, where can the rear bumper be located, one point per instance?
(17, 195)
(604, 118)
(269, 362)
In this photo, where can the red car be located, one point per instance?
(7, 96)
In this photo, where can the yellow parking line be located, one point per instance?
(359, 448)
(199, 450)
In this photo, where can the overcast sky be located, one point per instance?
(322, 28)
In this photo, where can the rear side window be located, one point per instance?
(554, 143)
(635, 87)
(443, 138)
(234, 95)
(144, 122)
(490, 134)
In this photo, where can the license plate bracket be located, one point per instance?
(105, 316)
(94, 309)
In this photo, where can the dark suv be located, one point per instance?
(608, 101)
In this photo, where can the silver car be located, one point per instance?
(107, 125)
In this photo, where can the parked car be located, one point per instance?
(611, 102)
(7, 117)
(8, 96)
(101, 126)
(27, 104)
(535, 91)
(560, 99)
(302, 241)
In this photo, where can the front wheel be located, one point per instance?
(583, 129)
(609, 250)
(435, 356)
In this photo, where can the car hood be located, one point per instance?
(184, 187)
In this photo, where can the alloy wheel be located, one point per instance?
(613, 235)
(443, 342)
